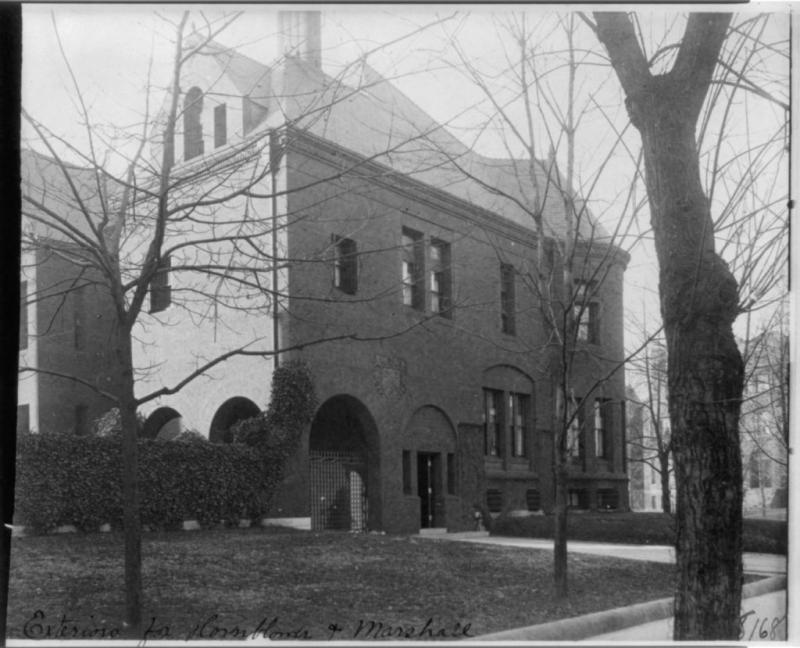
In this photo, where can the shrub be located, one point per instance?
(291, 408)
(77, 480)
(765, 536)
(293, 401)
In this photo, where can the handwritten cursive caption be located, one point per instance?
(40, 626)
(767, 628)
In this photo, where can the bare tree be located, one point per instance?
(699, 297)
(198, 231)
(544, 97)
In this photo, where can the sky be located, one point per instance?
(109, 48)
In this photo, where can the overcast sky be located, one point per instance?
(110, 47)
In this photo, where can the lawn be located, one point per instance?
(307, 585)
(760, 535)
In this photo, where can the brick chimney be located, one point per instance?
(300, 35)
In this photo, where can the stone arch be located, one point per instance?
(192, 123)
(344, 466)
(430, 426)
(163, 422)
(508, 378)
(227, 415)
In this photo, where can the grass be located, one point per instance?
(760, 535)
(309, 582)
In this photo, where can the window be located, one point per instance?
(81, 420)
(192, 124)
(507, 299)
(345, 265)
(406, 472)
(220, 125)
(23, 315)
(23, 419)
(753, 470)
(533, 499)
(764, 472)
(413, 266)
(77, 319)
(607, 498)
(601, 428)
(518, 415)
(653, 473)
(160, 290)
(494, 500)
(586, 313)
(440, 278)
(451, 474)
(576, 498)
(574, 436)
(492, 418)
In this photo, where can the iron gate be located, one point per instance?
(338, 491)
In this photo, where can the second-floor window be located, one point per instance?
(518, 412)
(220, 125)
(345, 265)
(413, 269)
(160, 290)
(601, 428)
(574, 429)
(586, 312)
(192, 124)
(507, 299)
(493, 422)
(440, 284)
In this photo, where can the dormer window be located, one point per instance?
(220, 125)
(192, 124)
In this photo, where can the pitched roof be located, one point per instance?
(373, 118)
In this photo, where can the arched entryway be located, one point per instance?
(163, 423)
(432, 436)
(343, 466)
(228, 414)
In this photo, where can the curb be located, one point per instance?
(597, 623)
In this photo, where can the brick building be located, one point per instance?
(404, 284)
(64, 322)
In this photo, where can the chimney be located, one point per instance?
(300, 35)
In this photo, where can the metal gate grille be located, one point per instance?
(338, 491)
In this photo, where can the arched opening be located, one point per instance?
(229, 413)
(192, 124)
(163, 423)
(431, 434)
(344, 466)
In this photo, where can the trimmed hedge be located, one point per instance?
(77, 480)
(763, 536)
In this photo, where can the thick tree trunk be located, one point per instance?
(699, 303)
(130, 490)
(666, 495)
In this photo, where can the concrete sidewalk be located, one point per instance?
(754, 563)
(763, 605)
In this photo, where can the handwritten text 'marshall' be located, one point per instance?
(272, 628)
